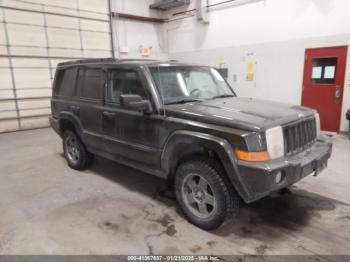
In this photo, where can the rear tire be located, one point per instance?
(204, 194)
(74, 151)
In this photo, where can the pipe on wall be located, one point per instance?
(111, 28)
(138, 18)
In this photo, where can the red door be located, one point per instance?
(324, 72)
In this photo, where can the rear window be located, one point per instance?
(65, 82)
(90, 83)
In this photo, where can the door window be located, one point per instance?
(121, 82)
(90, 83)
(323, 70)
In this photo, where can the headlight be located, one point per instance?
(275, 142)
(318, 124)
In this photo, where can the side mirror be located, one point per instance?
(135, 102)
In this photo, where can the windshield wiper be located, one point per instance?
(222, 96)
(183, 101)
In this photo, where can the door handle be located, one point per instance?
(109, 115)
(337, 93)
(75, 109)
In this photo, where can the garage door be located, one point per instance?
(35, 35)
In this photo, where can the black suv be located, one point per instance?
(185, 124)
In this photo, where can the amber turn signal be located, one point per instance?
(252, 156)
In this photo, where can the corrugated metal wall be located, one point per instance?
(35, 35)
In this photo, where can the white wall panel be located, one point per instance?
(60, 10)
(72, 53)
(29, 62)
(64, 38)
(94, 5)
(62, 3)
(23, 5)
(19, 17)
(32, 78)
(96, 54)
(3, 50)
(6, 94)
(7, 105)
(5, 78)
(4, 62)
(61, 21)
(92, 40)
(26, 35)
(25, 51)
(2, 35)
(94, 25)
(35, 112)
(35, 35)
(35, 122)
(9, 125)
(8, 114)
(29, 104)
(33, 93)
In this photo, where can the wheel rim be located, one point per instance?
(198, 195)
(72, 149)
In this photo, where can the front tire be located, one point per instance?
(74, 151)
(204, 194)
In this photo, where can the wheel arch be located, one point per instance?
(69, 121)
(183, 144)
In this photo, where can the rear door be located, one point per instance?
(88, 105)
(323, 84)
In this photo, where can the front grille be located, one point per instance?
(299, 136)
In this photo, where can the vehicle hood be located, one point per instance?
(242, 113)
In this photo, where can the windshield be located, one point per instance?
(180, 84)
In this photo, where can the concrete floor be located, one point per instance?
(48, 208)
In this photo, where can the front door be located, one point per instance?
(131, 136)
(323, 84)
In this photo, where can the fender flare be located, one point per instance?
(73, 119)
(218, 145)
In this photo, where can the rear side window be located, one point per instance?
(65, 82)
(122, 82)
(90, 83)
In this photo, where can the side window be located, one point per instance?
(65, 82)
(123, 82)
(90, 83)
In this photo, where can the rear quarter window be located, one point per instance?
(65, 82)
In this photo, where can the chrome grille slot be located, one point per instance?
(299, 136)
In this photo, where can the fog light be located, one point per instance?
(278, 177)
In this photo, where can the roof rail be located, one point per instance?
(103, 60)
(136, 59)
(89, 61)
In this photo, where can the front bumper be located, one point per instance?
(260, 178)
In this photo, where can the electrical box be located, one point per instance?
(168, 4)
